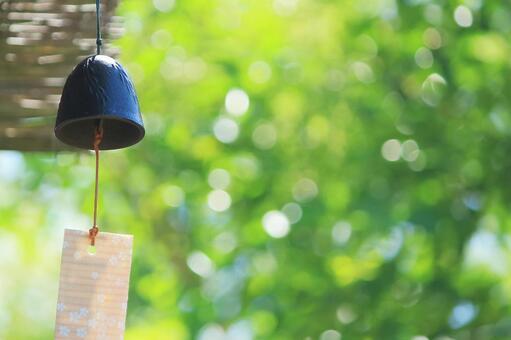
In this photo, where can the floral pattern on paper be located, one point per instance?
(93, 291)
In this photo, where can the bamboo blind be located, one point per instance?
(40, 43)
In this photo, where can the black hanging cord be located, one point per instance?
(98, 29)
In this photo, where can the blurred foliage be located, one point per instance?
(311, 170)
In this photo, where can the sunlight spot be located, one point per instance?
(462, 314)
(424, 58)
(432, 38)
(284, 7)
(200, 264)
(484, 250)
(164, 5)
(305, 189)
(370, 47)
(13, 165)
(276, 224)
(240, 330)
(225, 242)
(219, 179)
(345, 314)
(472, 201)
(237, 102)
(226, 130)
(363, 72)
(212, 331)
(293, 211)
(330, 335)
(219, 200)
(389, 246)
(391, 150)
(264, 136)
(463, 16)
(410, 150)
(418, 164)
(433, 89)
(341, 232)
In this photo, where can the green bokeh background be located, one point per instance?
(380, 130)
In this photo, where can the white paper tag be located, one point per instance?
(93, 289)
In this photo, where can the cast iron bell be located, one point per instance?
(99, 93)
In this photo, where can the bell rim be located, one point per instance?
(139, 127)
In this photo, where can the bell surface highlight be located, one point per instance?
(99, 93)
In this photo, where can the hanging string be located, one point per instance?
(93, 232)
(98, 29)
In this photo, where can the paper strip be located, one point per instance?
(93, 290)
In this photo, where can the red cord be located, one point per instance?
(93, 232)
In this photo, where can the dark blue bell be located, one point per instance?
(99, 93)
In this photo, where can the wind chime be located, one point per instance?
(98, 111)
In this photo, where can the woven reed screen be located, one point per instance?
(40, 43)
